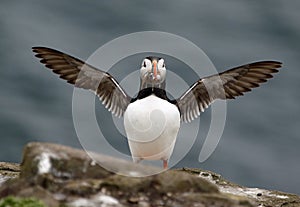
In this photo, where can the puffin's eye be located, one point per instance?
(144, 64)
(164, 65)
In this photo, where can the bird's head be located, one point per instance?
(153, 72)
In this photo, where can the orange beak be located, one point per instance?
(154, 63)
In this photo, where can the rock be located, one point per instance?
(8, 171)
(9, 167)
(63, 176)
(259, 197)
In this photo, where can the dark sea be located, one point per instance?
(260, 145)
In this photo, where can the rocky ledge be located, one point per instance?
(62, 176)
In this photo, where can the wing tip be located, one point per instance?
(36, 49)
(42, 49)
(273, 63)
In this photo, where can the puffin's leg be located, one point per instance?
(165, 164)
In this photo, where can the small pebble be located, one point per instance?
(133, 200)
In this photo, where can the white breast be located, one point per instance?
(151, 125)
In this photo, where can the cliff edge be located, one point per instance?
(57, 175)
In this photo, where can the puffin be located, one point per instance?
(151, 119)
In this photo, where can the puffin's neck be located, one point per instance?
(147, 84)
(147, 89)
(158, 92)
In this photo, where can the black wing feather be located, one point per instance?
(85, 76)
(226, 85)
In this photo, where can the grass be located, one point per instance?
(11, 201)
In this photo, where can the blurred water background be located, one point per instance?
(261, 141)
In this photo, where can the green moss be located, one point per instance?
(11, 201)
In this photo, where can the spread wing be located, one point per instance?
(85, 76)
(225, 85)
